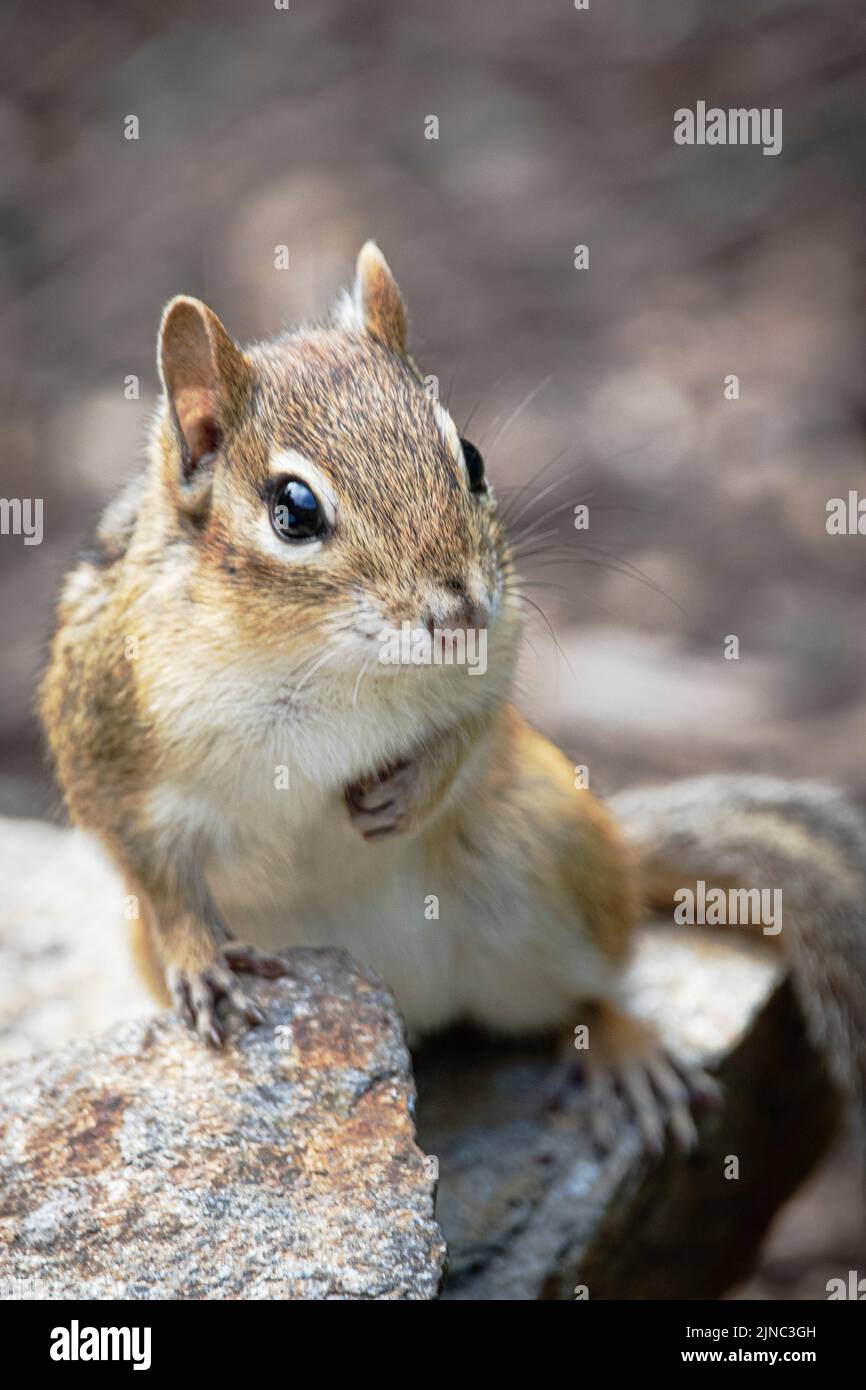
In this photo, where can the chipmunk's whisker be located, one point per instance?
(521, 535)
(488, 391)
(365, 669)
(546, 557)
(507, 518)
(575, 600)
(516, 413)
(510, 520)
(524, 598)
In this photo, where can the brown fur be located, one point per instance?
(180, 551)
(186, 594)
(762, 833)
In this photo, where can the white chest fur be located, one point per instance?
(469, 939)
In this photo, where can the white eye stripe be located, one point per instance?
(448, 429)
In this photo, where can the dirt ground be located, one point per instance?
(305, 127)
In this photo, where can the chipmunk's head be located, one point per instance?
(339, 524)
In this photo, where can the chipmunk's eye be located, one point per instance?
(474, 467)
(295, 512)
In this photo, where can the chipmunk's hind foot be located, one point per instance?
(623, 1056)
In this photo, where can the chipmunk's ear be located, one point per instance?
(206, 380)
(377, 300)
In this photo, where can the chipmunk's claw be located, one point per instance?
(659, 1091)
(207, 999)
(379, 805)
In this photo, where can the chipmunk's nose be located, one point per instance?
(457, 609)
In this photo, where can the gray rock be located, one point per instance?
(530, 1210)
(139, 1164)
(65, 964)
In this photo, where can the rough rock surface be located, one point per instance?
(65, 964)
(139, 1164)
(528, 1208)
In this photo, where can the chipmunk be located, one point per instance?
(221, 718)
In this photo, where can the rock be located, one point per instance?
(530, 1211)
(140, 1161)
(65, 965)
(139, 1164)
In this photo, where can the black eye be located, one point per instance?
(295, 512)
(474, 467)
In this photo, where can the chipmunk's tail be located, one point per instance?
(754, 833)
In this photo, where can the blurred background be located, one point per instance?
(305, 127)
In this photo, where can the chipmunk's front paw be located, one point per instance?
(382, 805)
(210, 997)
